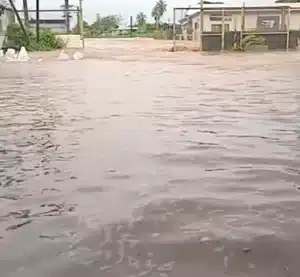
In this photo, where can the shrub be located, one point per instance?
(157, 34)
(253, 40)
(15, 38)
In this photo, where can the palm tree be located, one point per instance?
(155, 15)
(141, 19)
(158, 11)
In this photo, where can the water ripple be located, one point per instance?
(150, 168)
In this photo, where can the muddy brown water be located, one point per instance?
(140, 163)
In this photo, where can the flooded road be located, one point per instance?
(150, 164)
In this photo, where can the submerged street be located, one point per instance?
(135, 162)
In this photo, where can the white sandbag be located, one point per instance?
(63, 56)
(10, 55)
(23, 55)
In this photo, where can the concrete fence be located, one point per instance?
(71, 40)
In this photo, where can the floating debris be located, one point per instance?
(247, 250)
(78, 56)
(17, 226)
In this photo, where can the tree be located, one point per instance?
(106, 23)
(141, 19)
(158, 11)
(76, 29)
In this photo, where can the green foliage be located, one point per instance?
(249, 41)
(141, 19)
(106, 23)
(158, 11)
(76, 29)
(15, 38)
(157, 34)
(252, 40)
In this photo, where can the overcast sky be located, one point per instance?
(126, 7)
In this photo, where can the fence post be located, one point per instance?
(81, 24)
(223, 31)
(242, 25)
(174, 29)
(288, 29)
(131, 26)
(37, 20)
(201, 24)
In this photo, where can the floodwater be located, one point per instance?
(132, 163)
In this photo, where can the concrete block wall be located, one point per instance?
(72, 41)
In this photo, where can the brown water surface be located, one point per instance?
(140, 163)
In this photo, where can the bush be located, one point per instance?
(253, 40)
(157, 34)
(15, 38)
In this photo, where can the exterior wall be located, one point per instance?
(56, 28)
(5, 19)
(274, 41)
(251, 19)
(187, 32)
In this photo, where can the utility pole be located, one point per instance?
(67, 15)
(26, 15)
(201, 24)
(131, 26)
(81, 24)
(37, 20)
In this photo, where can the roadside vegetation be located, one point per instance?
(248, 42)
(113, 26)
(15, 38)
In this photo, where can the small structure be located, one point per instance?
(55, 25)
(6, 18)
(219, 26)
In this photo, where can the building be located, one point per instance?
(268, 21)
(55, 25)
(6, 18)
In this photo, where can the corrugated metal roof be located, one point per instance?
(193, 10)
(48, 21)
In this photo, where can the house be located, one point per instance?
(55, 25)
(268, 20)
(6, 18)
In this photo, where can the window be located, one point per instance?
(218, 17)
(217, 28)
(196, 25)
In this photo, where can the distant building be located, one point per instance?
(55, 25)
(278, 23)
(271, 18)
